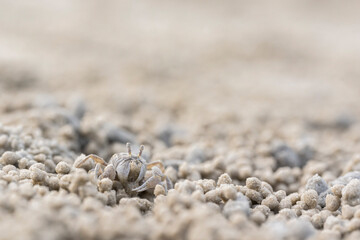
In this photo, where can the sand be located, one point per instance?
(251, 107)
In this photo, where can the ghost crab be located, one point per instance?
(130, 170)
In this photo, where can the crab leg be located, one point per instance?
(98, 170)
(159, 164)
(109, 172)
(94, 157)
(169, 184)
(152, 181)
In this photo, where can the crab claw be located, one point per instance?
(155, 179)
(141, 174)
(123, 170)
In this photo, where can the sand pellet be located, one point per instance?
(9, 158)
(258, 217)
(224, 179)
(351, 192)
(105, 184)
(316, 183)
(272, 202)
(227, 192)
(253, 183)
(310, 198)
(332, 202)
(63, 168)
(280, 195)
(285, 203)
(254, 196)
(337, 190)
(37, 175)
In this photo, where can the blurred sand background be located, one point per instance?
(286, 58)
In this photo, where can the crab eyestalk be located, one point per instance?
(128, 148)
(141, 150)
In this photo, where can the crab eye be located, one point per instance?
(141, 150)
(128, 146)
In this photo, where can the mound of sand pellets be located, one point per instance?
(258, 181)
